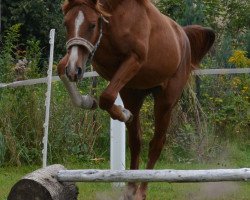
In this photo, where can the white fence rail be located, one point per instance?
(93, 74)
(221, 71)
(39, 81)
(212, 175)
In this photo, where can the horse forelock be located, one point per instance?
(68, 5)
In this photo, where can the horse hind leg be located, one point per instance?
(133, 100)
(162, 113)
(165, 98)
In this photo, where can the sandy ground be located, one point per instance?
(206, 191)
(212, 191)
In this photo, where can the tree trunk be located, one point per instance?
(43, 185)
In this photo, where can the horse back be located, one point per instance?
(168, 43)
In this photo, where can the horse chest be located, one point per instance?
(107, 59)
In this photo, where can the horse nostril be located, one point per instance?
(79, 71)
(73, 74)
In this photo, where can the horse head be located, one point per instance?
(83, 24)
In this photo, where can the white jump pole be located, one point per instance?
(169, 175)
(47, 101)
(117, 142)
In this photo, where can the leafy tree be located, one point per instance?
(172, 8)
(186, 12)
(37, 18)
(230, 16)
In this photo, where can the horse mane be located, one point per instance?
(98, 6)
(111, 2)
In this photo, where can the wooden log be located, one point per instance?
(213, 175)
(42, 184)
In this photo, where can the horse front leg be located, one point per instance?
(133, 100)
(124, 74)
(78, 100)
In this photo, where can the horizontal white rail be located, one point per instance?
(213, 175)
(40, 80)
(221, 71)
(92, 74)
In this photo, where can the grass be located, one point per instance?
(157, 191)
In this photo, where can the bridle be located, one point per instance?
(80, 41)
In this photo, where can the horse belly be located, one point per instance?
(161, 65)
(155, 71)
(149, 77)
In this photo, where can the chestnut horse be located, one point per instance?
(139, 51)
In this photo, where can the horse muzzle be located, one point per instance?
(74, 73)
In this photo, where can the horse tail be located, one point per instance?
(201, 39)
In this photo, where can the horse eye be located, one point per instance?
(92, 26)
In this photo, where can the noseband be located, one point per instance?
(79, 41)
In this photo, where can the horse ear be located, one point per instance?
(69, 1)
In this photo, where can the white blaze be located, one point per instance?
(74, 51)
(78, 22)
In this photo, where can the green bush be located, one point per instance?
(200, 128)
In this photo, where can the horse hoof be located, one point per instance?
(139, 197)
(88, 102)
(127, 115)
(128, 194)
(126, 197)
(130, 119)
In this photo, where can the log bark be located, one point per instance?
(42, 184)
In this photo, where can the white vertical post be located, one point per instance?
(48, 95)
(117, 143)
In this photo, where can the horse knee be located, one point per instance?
(106, 100)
